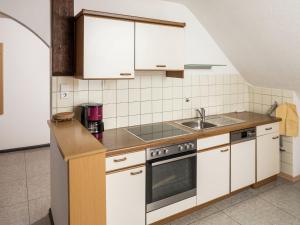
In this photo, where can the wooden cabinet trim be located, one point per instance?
(85, 12)
(87, 190)
(1, 81)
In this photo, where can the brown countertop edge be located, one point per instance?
(119, 141)
(74, 140)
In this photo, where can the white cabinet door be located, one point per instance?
(108, 48)
(159, 47)
(125, 197)
(268, 156)
(242, 165)
(212, 174)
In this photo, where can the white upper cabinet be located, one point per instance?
(105, 48)
(159, 47)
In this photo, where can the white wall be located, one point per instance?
(200, 47)
(260, 37)
(296, 142)
(35, 14)
(26, 87)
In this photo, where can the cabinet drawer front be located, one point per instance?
(267, 129)
(211, 142)
(126, 160)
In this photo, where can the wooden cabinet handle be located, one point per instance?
(136, 173)
(270, 128)
(125, 74)
(161, 66)
(120, 160)
(224, 150)
(274, 138)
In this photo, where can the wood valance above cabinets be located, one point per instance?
(113, 46)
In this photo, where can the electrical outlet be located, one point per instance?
(64, 95)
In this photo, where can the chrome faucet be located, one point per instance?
(201, 113)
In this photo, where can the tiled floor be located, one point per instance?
(25, 197)
(25, 187)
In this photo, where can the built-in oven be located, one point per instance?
(171, 174)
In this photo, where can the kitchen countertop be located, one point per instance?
(118, 141)
(74, 140)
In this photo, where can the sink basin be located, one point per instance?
(198, 125)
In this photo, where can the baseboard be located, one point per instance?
(264, 182)
(24, 148)
(51, 217)
(289, 177)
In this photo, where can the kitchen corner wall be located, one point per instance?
(261, 100)
(153, 97)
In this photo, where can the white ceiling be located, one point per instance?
(260, 37)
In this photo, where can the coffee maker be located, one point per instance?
(91, 118)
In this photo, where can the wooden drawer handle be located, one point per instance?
(161, 66)
(270, 128)
(125, 74)
(225, 150)
(136, 173)
(120, 160)
(274, 138)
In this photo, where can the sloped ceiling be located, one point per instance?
(260, 37)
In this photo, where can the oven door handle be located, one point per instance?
(174, 159)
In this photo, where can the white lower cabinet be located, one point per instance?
(242, 165)
(125, 197)
(213, 174)
(268, 156)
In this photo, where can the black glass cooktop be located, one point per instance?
(151, 132)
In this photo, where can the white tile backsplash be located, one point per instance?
(153, 97)
(261, 98)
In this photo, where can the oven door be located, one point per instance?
(170, 180)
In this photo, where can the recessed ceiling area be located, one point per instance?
(260, 37)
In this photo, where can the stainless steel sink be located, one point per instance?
(198, 125)
(210, 122)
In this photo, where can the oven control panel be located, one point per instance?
(167, 150)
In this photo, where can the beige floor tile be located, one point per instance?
(13, 192)
(43, 221)
(12, 166)
(38, 209)
(205, 212)
(38, 186)
(235, 199)
(15, 215)
(216, 219)
(37, 161)
(286, 197)
(258, 211)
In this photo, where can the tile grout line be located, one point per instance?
(27, 188)
(281, 209)
(223, 211)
